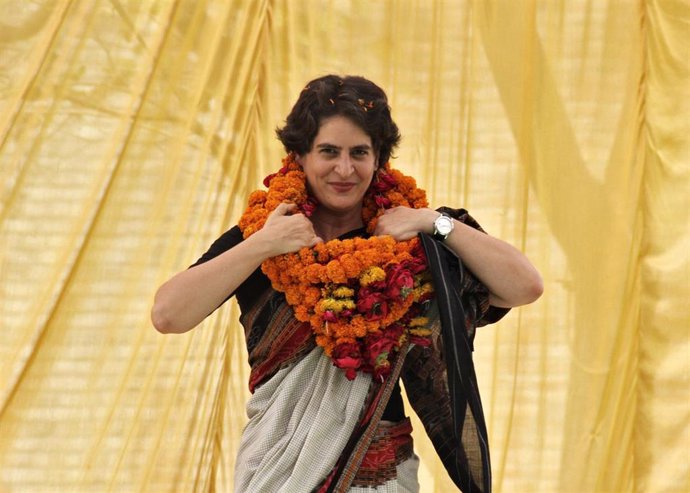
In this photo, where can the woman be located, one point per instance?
(348, 283)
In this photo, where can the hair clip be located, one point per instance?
(366, 105)
(332, 102)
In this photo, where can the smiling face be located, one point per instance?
(339, 167)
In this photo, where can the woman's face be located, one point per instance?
(340, 165)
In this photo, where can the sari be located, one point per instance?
(311, 429)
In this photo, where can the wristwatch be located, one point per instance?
(443, 225)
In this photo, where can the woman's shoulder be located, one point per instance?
(223, 243)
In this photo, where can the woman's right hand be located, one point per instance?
(187, 298)
(288, 231)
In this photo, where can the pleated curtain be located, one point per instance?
(133, 131)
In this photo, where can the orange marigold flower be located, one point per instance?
(311, 296)
(301, 313)
(257, 197)
(359, 327)
(335, 272)
(321, 251)
(306, 257)
(314, 273)
(351, 266)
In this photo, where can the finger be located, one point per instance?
(382, 226)
(283, 209)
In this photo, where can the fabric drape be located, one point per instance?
(132, 132)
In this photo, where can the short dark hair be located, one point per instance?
(354, 97)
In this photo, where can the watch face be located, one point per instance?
(444, 225)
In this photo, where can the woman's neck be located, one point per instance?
(329, 224)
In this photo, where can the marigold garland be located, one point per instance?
(363, 297)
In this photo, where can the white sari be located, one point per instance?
(299, 423)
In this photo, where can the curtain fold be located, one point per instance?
(133, 131)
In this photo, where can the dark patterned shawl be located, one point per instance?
(440, 381)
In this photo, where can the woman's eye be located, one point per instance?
(329, 151)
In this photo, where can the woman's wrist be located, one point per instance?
(263, 245)
(427, 220)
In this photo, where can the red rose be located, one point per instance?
(309, 206)
(418, 251)
(399, 282)
(414, 311)
(377, 348)
(394, 332)
(347, 357)
(382, 202)
(267, 180)
(425, 298)
(281, 171)
(376, 345)
(377, 286)
(382, 371)
(384, 182)
(372, 304)
(417, 265)
(329, 316)
(420, 341)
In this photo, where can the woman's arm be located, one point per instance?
(190, 296)
(511, 279)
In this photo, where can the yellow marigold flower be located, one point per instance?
(330, 304)
(336, 305)
(419, 322)
(420, 332)
(372, 274)
(425, 288)
(347, 304)
(343, 292)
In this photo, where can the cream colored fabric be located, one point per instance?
(132, 131)
(295, 435)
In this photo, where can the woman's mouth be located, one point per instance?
(342, 187)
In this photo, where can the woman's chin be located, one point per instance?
(341, 207)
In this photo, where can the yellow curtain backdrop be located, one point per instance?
(132, 131)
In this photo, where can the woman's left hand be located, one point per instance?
(403, 223)
(512, 280)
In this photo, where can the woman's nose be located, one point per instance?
(344, 166)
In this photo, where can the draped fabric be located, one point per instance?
(465, 443)
(132, 132)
